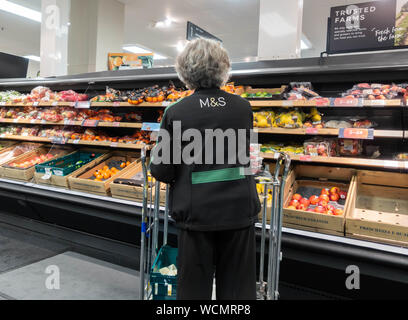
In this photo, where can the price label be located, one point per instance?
(305, 158)
(150, 126)
(54, 103)
(35, 103)
(59, 173)
(356, 133)
(166, 103)
(43, 121)
(15, 120)
(47, 175)
(67, 122)
(287, 103)
(33, 121)
(116, 104)
(2, 103)
(83, 104)
(375, 102)
(322, 102)
(76, 141)
(116, 124)
(90, 123)
(25, 134)
(406, 165)
(2, 135)
(114, 145)
(346, 102)
(311, 130)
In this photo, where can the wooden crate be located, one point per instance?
(317, 177)
(28, 173)
(37, 145)
(62, 181)
(133, 193)
(379, 208)
(80, 180)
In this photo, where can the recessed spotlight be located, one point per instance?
(163, 24)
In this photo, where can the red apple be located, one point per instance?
(324, 191)
(324, 197)
(296, 197)
(314, 200)
(305, 202)
(319, 209)
(330, 207)
(338, 212)
(301, 207)
(334, 197)
(294, 203)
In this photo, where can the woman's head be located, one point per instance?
(203, 64)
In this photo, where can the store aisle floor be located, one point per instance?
(35, 267)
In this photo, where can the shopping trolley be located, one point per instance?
(269, 290)
(154, 285)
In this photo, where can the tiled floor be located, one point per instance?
(26, 257)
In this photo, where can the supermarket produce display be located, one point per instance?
(72, 140)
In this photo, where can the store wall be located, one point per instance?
(315, 14)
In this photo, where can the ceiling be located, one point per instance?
(235, 22)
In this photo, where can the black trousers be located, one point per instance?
(230, 254)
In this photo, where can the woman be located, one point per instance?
(212, 201)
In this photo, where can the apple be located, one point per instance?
(323, 203)
(305, 202)
(324, 197)
(314, 200)
(294, 203)
(334, 190)
(334, 197)
(291, 207)
(330, 207)
(343, 195)
(324, 191)
(338, 212)
(301, 207)
(310, 210)
(296, 197)
(319, 209)
(329, 212)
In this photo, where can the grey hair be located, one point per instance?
(203, 63)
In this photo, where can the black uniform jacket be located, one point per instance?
(208, 197)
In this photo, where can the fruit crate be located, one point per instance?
(379, 208)
(128, 185)
(11, 153)
(310, 181)
(26, 162)
(164, 287)
(56, 172)
(84, 179)
(277, 93)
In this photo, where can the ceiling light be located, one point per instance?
(34, 58)
(163, 24)
(180, 46)
(20, 10)
(136, 49)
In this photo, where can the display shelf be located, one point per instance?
(73, 123)
(357, 162)
(328, 132)
(77, 142)
(303, 103)
(91, 104)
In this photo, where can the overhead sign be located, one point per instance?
(375, 25)
(195, 32)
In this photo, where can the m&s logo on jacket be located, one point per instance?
(213, 102)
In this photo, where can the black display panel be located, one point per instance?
(12, 66)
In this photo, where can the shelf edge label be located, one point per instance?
(356, 133)
(150, 126)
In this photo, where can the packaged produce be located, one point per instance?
(264, 119)
(289, 119)
(290, 148)
(337, 124)
(301, 91)
(321, 147)
(376, 91)
(350, 147)
(313, 119)
(18, 150)
(9, 96)
(401, 156)
(364, 124)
